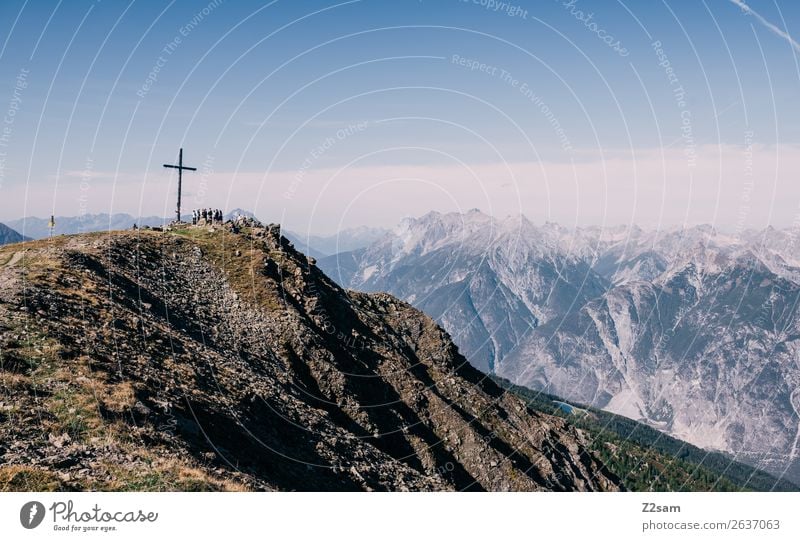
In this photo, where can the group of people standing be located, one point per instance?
(209, 216)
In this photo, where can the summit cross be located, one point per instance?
(181, 168)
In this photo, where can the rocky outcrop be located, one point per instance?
(204, 358)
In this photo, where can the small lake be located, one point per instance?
(563, 406)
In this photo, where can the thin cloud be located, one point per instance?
(772, 28)
(89, 175)
(649, 186)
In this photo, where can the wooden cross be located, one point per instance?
(181, 168)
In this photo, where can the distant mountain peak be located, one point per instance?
(10, 236)
(239, 212)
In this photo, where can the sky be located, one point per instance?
(325, 115)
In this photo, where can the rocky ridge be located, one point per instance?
(221, 358)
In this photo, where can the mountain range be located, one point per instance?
(39, 228)
(689, 330)
(221, 358)
(9, 236)
(317, 246)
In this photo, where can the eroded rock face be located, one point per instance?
(488, 282)
(691, 331)
(207, 359)
(707, 356)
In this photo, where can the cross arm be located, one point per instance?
(181, 167)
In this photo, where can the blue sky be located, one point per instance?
(327, 114)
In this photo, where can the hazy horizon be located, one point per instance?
(727, 231)
(325, 116)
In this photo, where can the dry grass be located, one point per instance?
(14, 382)
(75, 414)
(166, 475)
(27, 479)
(118, 397)
(76, 395)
